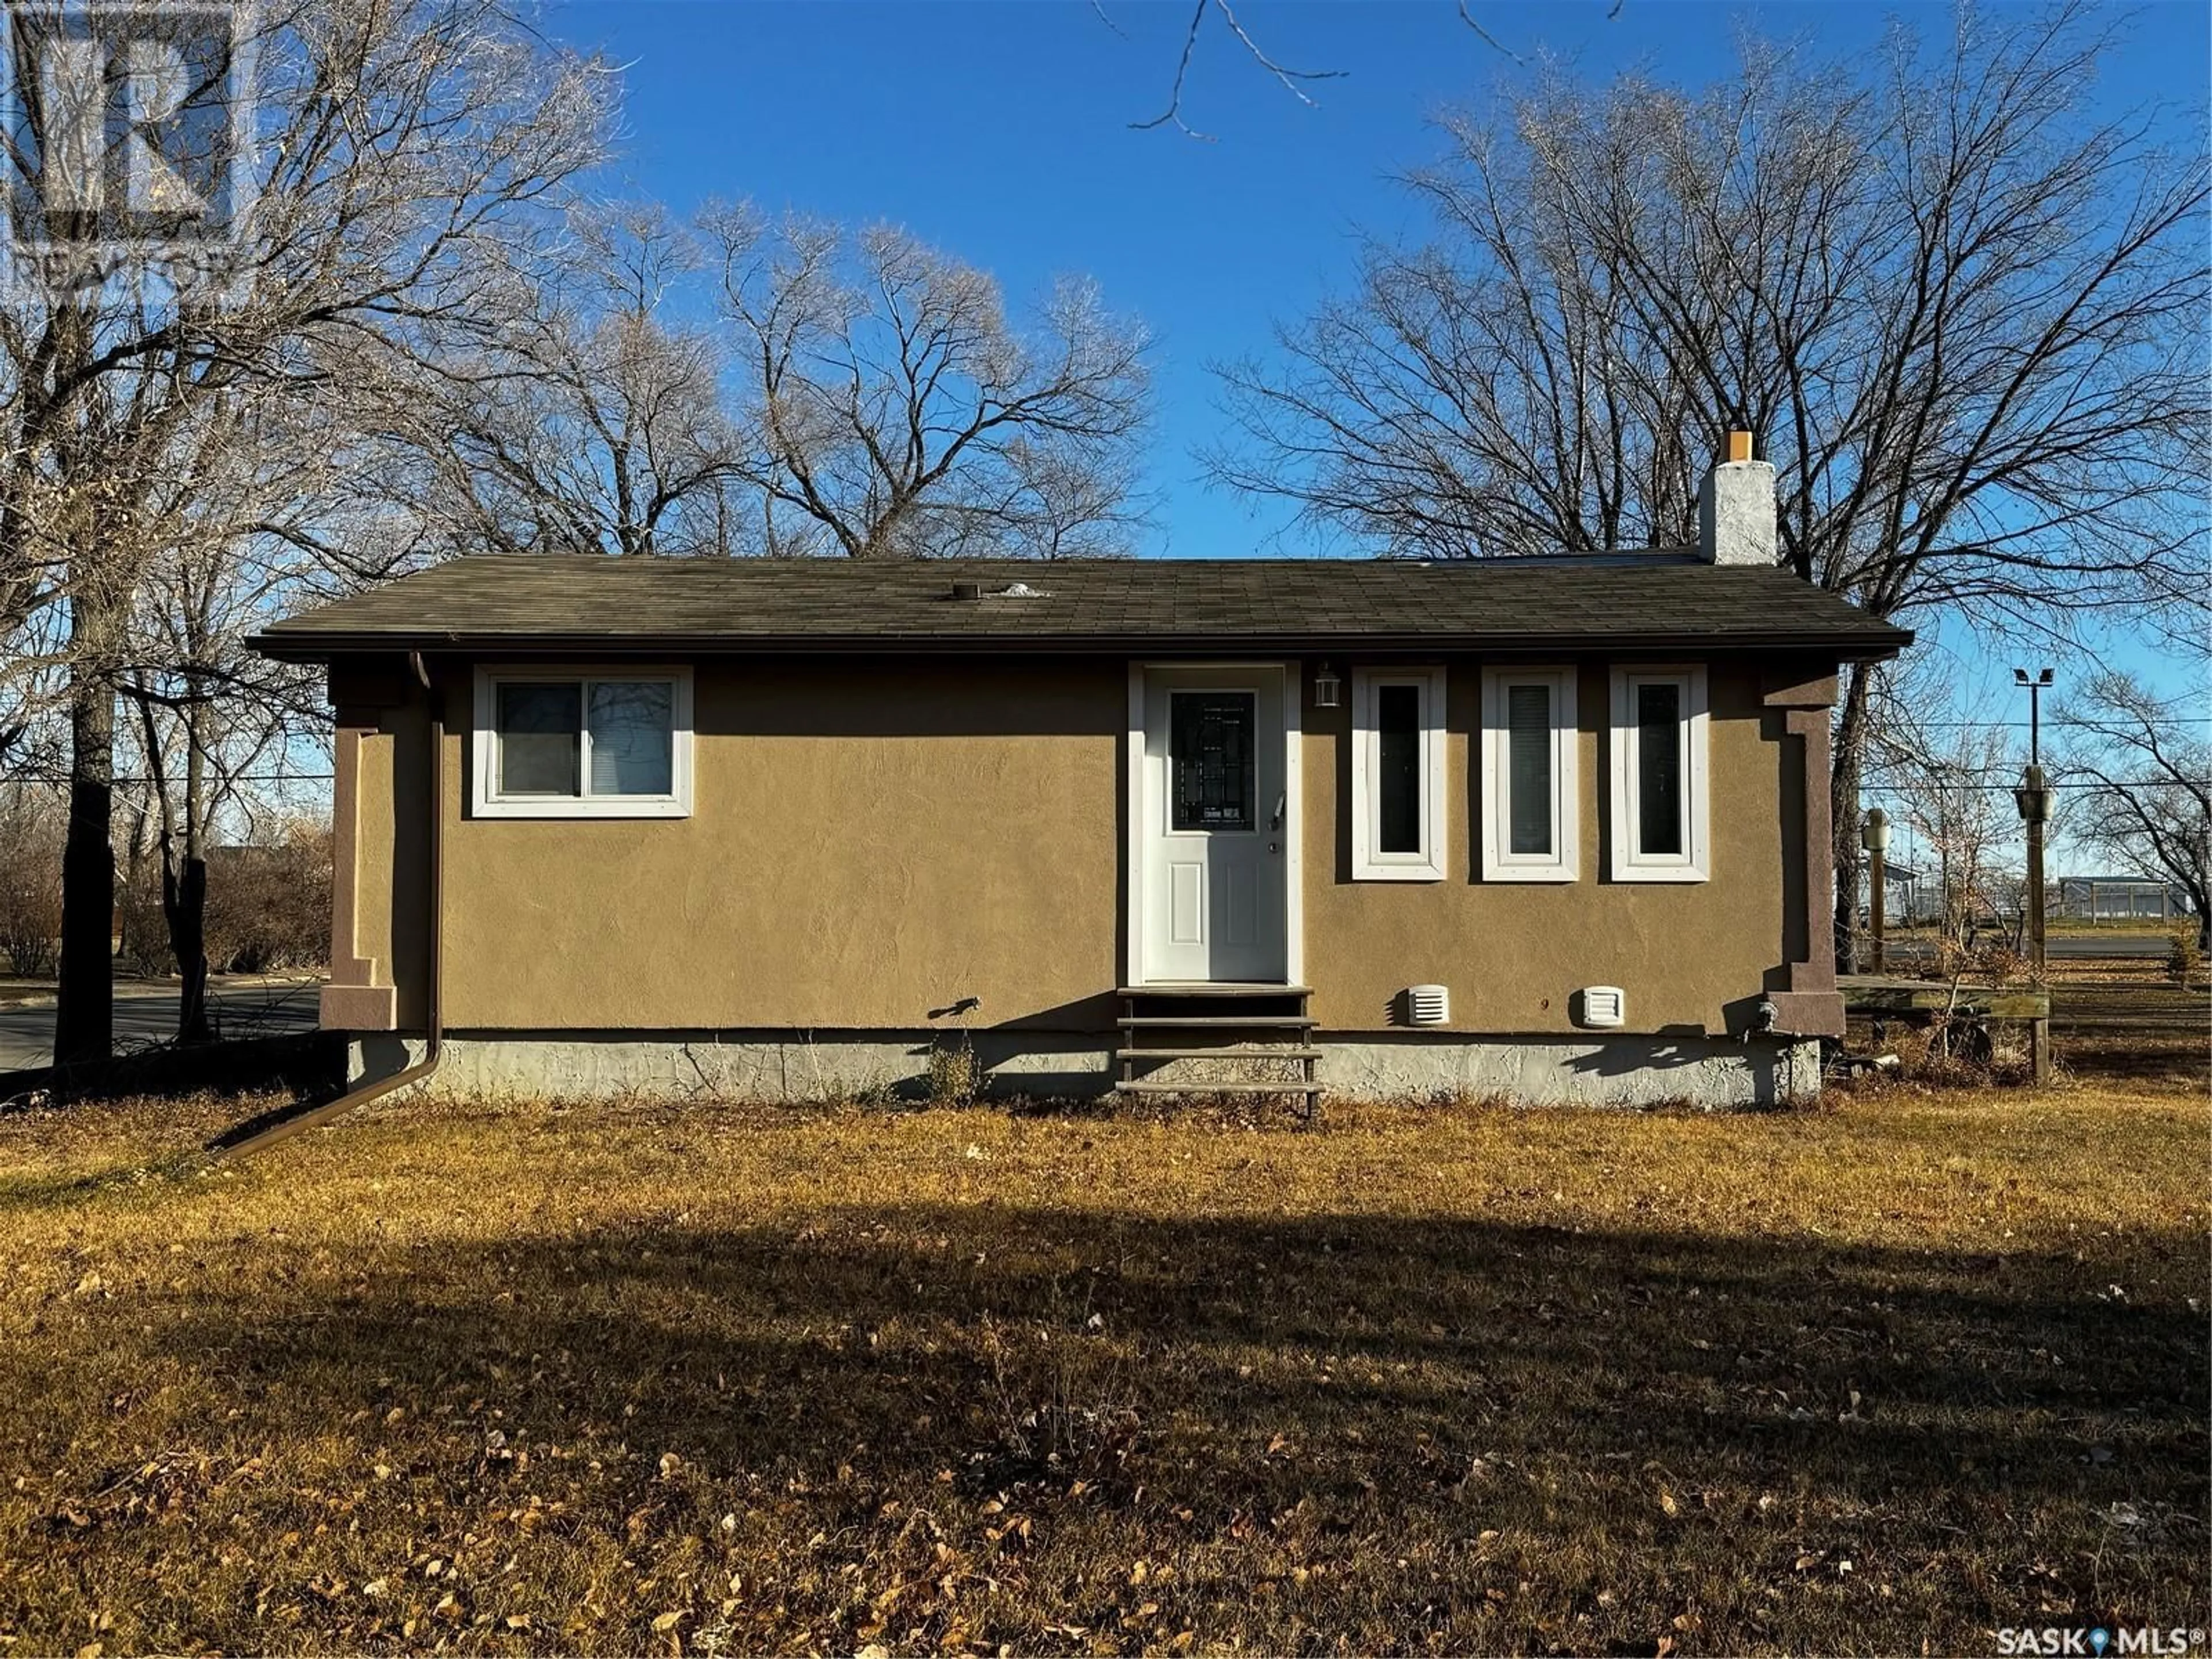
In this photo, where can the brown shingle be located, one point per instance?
(590, 602)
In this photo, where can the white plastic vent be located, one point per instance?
(1604, 1006)
(1427, 1005)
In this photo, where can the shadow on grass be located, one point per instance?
(1637, 1412)
(48, 1188)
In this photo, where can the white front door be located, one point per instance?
(1215, 821)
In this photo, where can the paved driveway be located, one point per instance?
(147, 1014)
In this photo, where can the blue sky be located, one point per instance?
(1001, 131)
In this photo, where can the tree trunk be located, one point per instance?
(84, 1016)
(1845, 773)
(184, 906)
(185, 898)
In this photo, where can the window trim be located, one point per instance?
(485, 801)
(1564, 862)
(1369, 862)
(1693, 863)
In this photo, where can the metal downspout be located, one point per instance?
(432, 1048)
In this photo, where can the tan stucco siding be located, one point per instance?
(1512, 953)
(865, 845)
(869, 842)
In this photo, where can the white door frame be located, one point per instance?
(1135, 842)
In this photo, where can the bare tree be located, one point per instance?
(208, 711)
(407, 151)
(1962, 319)
(594, 422)
(1950, 789)
(891, 410)
(2138, 771)
(1292, 80)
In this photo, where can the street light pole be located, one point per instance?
(2035, 687)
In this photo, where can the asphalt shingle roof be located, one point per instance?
(593, 602)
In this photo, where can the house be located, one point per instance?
(2119, 898)
(1555, 828)
(1903, 901)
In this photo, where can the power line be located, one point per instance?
(2050, 719)
(57, 781)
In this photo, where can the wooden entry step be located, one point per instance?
(1220, 1022)
(1310, 1090)
(1218, 1039)
(1217, 988)
(1216, 1054)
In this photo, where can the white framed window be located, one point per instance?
(582, 743)
(1398, 774)
(1531, 830)
(1660, 818)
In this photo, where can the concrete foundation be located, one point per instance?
(797, 1067)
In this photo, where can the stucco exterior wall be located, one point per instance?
(871, 841)
(1692, 956)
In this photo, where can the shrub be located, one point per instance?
(32, 830)
(268, 905)
(954, 1074)
(145, 930)
(2185, 956)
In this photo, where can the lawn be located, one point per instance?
(1884, 1376)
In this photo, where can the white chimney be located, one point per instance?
(1735, 508)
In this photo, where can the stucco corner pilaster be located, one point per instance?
(1801, 687)
(1810, 727)
(352, 1000)
(360, 1008)
(1809, 1012)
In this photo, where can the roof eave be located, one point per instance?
(1875, 644)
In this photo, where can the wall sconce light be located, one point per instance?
(1329, 690)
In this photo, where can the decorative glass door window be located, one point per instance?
(1210, 737)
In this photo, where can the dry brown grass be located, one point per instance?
(1897, 1371)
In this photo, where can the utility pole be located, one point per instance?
(1874, 838)
(2033, 799)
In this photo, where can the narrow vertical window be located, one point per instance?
(1531, 831)
(1658, 764)
(1528, 730)
(1398, 767)
(1660, 831)
(1397, 775)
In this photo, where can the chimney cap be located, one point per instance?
(1738, 445)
